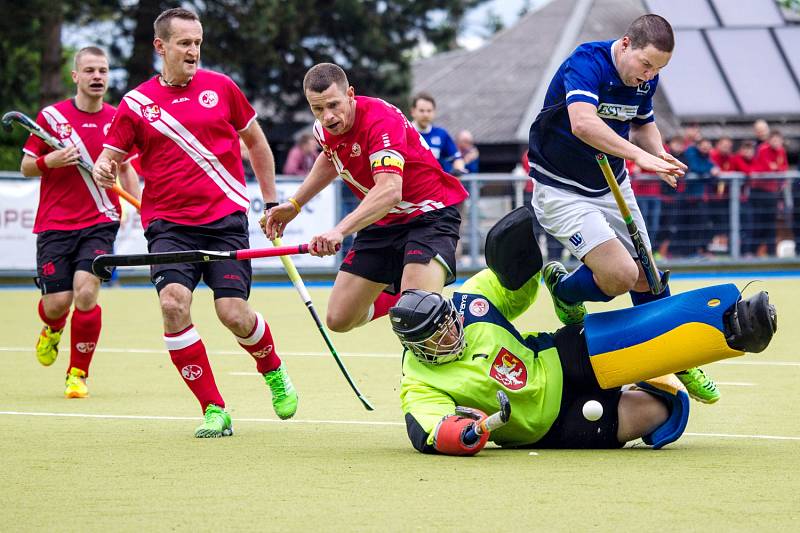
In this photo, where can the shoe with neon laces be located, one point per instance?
(699, 386)
(567, 313)
(217, 424)
(76, 384)
(284, 397)
(47, 345)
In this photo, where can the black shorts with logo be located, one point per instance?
(60, 253)
(571, 429)
(379, 253)
(228, 279)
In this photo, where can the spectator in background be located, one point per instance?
(761, 130)
(301, 156)
(469, 152)
(423, 112)
(742, 161)
(694, 207)
(719, 208)
(765, 193)
(670, 200)
(647, 189)
(691, 135)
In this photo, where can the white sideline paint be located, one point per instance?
(735, 383)
(333, 422)
(373, 355)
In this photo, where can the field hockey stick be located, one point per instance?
(102, 263)
(491, 422)
(656, 283)
(32, 127)
(297, 281)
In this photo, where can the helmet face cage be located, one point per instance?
(436, 352)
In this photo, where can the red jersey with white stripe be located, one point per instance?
(383, 140)
(188, 144)
(69, 199)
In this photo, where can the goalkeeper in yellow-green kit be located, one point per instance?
(459, 352)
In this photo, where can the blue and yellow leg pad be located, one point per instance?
(672, 391)
(660, 337)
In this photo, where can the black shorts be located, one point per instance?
(379, 253)
(571, 429)
(60, 253)
(228, 279)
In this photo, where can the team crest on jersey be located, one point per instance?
(478, 307)
(191, 372)
(643, 88)
(509, 370)
(151, 112)
(106, 127)
(356, 150)
(208, 99)
(63, 130)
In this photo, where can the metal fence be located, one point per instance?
(729, 220)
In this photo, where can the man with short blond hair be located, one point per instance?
(76, 219)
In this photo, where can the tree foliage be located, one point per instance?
(265, 45)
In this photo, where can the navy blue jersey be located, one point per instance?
(442, 145)
(557, 157)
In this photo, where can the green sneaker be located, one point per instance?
(567, 313)
(217, 424)
(284, 397)
(699, 386)
(47, 345)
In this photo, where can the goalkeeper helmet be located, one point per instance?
(429, 326)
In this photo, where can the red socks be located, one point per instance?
(382, 304)
(189, 357)
(56, 324)
(260, 345)
(84, 332)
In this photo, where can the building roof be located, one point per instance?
(497, 90)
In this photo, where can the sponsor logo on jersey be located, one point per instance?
(191, 372)
(85, 347)
(88, 125)
(181, 99)
(479, 307)
(63, 130)
(263, 352)
(617, 111)
(208, 99)
(151, 112)
(356, 150)
(576, 239)
(509, 370)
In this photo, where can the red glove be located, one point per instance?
(448, 437)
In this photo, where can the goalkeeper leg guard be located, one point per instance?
(674, 395)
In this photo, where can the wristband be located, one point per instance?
(269, 205)
(295, 204)
(41, 164)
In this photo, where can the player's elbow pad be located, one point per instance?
(448, 437)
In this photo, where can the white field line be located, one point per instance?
(163, 351)
(333, 422)
(733, 383)
(372, 355)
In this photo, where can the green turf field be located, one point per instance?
(125, 459)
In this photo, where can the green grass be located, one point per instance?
(337, 467)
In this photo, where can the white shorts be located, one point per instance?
(582, 223)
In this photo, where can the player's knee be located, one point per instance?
(57, 304)
(85, 298)
(619, 281)
(173, 305)
(338, 322)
